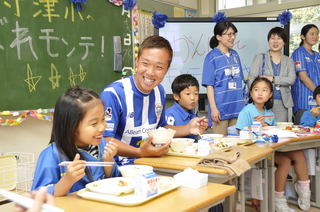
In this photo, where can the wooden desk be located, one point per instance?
(169, 165)
(249, 153)
(180, 199)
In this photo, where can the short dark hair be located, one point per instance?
(156, 42)
(269, 103)
(280, 32)
(316, 92)
(182, 82)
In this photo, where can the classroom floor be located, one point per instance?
(289, 192)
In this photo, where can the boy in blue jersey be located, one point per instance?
(310, 117)
(136, 104)
(185, 90)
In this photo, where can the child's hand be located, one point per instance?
(315, 111)
(75, 170)
(260, 119)
(110, 150)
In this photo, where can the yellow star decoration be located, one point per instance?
(31, 79)
(82, 74)
(55, 77)
(72, 78)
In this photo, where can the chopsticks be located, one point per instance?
(264, 116)
(66, 163)
(316, 108)
(27, 202)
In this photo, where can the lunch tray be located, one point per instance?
(123, 199)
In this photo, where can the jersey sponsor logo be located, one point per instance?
(139, 130)
(108, 114)
(298, 64)
(234, 71)
(158, 110)
(110, 127)
(311, 101)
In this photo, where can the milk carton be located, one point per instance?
(256, 127)
(205, 146)
(146, 185)
(245, 133)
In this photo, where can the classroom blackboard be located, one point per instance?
(48, 46)
(190, 37)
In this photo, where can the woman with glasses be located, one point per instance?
(222, 76)
(278, 69)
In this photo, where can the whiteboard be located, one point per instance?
(190, 37)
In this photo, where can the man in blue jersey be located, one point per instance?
(136, 104)
(185, 90)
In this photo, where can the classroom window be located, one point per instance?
(228, 4)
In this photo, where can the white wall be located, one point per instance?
(31, 136)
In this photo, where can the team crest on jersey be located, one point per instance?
(235, 59)
(298, 64)
(108, 114)
(158, 110)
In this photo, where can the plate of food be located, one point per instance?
(112, 186)
(222, 146)
(124, 199)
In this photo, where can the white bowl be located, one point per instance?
(164, 183)
(177, 144)
(217, 137)
(134, 170)
(283, 125)
(161, 136)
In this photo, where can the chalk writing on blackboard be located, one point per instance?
(47, 46)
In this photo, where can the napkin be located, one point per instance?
(229, 161)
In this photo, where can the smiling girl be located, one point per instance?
(78, 124)
(307, 64)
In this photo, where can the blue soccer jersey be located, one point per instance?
(48, 173)
(308, 120)
(131, 113)
(250, 111)
(303, 96)
(176, 116)
(224, 73)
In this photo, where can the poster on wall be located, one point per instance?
(190, 14)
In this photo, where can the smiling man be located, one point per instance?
(136, 104)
